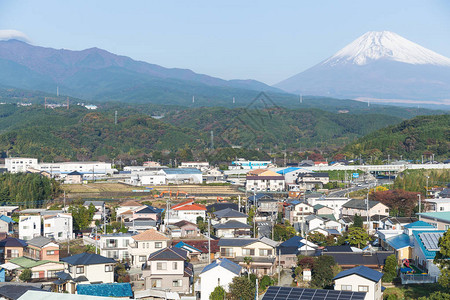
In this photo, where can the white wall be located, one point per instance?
(59, 227)
(29, 227)
(20, 164)
(213, 278)
(355, 281)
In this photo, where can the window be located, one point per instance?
(386, 210)
(161, 266)
(80, 270)
(158, 244)
(177, 283)
(248, 251)
(70, 269)
(50, 252)
(47, 225)
(156, 283)
(441, 208)
(346, 287)
(142, 258)
(34, 274)
(175, 265)
(108, 268)
(265, 252)
(52, 273)
(226, 252)
(447, 227)
(363, 288)
(60, 234)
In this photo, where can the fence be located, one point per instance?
(417, 278)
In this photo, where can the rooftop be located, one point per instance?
(423, 238)
(12, 242)
(294, 293)
(87, 259)
(441, 215)
(359, 204)
(419, 224)
(172, 253)
(399, 241)
(229, 213)
(232, 224)
(27, 263)
(362, 271)
(182, 171)
(40, 241)
(224, 263)
(150, 235)
(106, 289)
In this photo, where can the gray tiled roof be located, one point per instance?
(229, 213)
(224, 263)
(236, 242)
(39, 241)
(171, 253)
(231, 225)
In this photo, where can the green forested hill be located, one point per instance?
(80, 134)
(410, 139)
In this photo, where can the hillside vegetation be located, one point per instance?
(423, 135)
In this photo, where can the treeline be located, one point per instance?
(27, 190)
(416, 180)
(424, 135)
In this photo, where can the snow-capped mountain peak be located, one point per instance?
(385, 45)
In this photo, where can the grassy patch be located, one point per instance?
(413, 291)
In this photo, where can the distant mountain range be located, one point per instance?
(378, 65)
(96, 74)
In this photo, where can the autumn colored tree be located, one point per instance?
(402, 203)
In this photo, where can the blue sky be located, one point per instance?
(264, 40)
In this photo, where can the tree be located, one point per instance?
(436, 296)
(306, 261)
(322, 273)
(357, 236)
(241, 288)
(248, 261)
(358, 221)
(217, 294)
(390, 268)
(283, 232)
(317, 238)
(265, 282)
(25, 275)
(442, 260)
(82, 217)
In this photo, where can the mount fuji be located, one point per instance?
(378, 66)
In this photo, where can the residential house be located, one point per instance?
(42, 248)
(8, 210)
(324, 222)
(214, 175)
(168, 269)
(147, 212)
(348, 260)
(87, 268)
(218, 273)
(256, 197)
(262, 252)
(335, 203)
(288, 251)
(297, 211)
(212, 208)
(360, 279)
(232, 228)
(440, 220)
(141, 225)
(200, 249)
(436, 205)
(182, 175)
(425, 245)
(312, 181)
(29, 227)
(40, 269)
(268, 207)
(360, 207)
(396, 222)
(6, 224)
(320, 209)
(228, 214)
(144, 244)
(185, 229)
(20, 290)
(11, 248)
(74, 178)
(127, 205)
(264, 180)
(187, 210)
(59, 227)
(115, 245)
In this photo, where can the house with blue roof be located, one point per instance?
(360, 279)
(425, 245)
(116, 290)
(6, 224)
(218, 273)
(288, 250)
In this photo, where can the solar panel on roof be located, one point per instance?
(288, 293)
(430, 240)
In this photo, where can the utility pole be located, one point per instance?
(367, 212)
(418, 195)
(209, 240)
(104, 218)
(426, 191)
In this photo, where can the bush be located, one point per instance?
(217, 294)
(390, 268)
(25, 275)
(265, 282)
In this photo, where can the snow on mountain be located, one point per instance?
(377, 65)
(375, 45)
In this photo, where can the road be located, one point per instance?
(360, 186)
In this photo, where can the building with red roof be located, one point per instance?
(187, 211)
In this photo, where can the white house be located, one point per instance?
(29, 227)
(298, 211)
(219, 273)
(187, 210)
(436, 205)
(85, 268)
(58, 227)
(334, 203)
(360, 279)
(115, 245)
(264, 180)
(20, 164)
